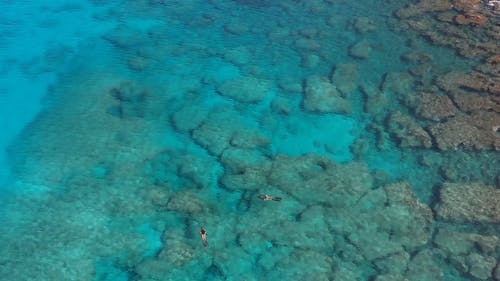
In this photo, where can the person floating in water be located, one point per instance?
(203, 233)
(266, 197)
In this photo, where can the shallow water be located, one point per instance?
(129, 125)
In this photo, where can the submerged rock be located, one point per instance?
(237, 160)
(197, 171)
(308, 176)
(374, 244)
(302, 265)
(225, 129)
(424, 6)
(363, 25)
(470, 102)
(245, 89)
(345, 271)
(385, 222)
(310, 61)
(213, 136)
(467, 5)
(481, 267)
(475, 19)
(474, 81)
(138, 63)
(360, 50)
(431, 106)
(490, 66)
(390, 277)
(236, 27)
(377, 103)
(307, 44)
(472, 202)
(395, 264)
(249, 138)
(189, 117)
(398, 83)
(417, 57)
(126, 37)
(187, 202)
(240, 56)
(411, 220)
(496, 273)
(131, 100)
(178, 253)
(282, 105)
(408, 132)
(248, 179)
(321, 96)
(477, 131)
(423, 266)
(468, 252)
(345, 78)
(456, 243)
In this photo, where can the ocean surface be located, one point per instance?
(250, 140)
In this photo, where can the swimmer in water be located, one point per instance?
(269, 198)
(203, 233)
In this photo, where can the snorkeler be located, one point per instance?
(203, 233)
(269, 198)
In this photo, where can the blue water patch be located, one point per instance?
(329, 135)
(153, 239)
(31, 56)
(222, 72)
(248, 140)
(106, 270)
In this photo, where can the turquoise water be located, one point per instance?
(127, 126)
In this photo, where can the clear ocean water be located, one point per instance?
(308, 140)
